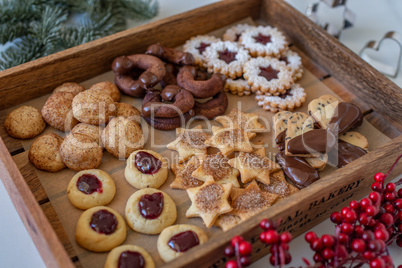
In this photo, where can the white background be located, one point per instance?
(374, 19)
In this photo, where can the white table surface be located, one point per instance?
(374, 19)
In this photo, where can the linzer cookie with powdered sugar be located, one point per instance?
(197, 45)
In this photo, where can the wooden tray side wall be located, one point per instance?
(361, 78)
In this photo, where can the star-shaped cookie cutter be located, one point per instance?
(388, 69)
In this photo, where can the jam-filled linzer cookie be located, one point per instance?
(146, 169)
(127, 256)
(208, 201)
(183, 172)
(100, 229)
(233, 33)
(245, 121)
(237, 86)
(189, 142)
(293, 61)
(197, 45)
(149, 211)
(175, 240)
(91, 188)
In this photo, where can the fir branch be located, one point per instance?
(13, 11)
(23, 50)
(136, 10)
(10, 32)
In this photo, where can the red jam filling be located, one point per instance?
(147, 163)
(183, 241)
(103, 222)
(151, 205)
(227, 56)
(202, 47)
(131, 259)
(262, 39)
(285, 59)
(268, 73)
(89, 184)
(284, 95)
(237, 37)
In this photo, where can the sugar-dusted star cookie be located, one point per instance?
(228, 140)
(217, 167)
(208, 201)
(250, 201)
(245, 121)
(184, 180)
(254, 166)
(227, 221)
(189, 142)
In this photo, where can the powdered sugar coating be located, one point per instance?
(237, 87)
(233, 33)
(294, 62)
(275, 47)
(275, 86)
(215, 65)
(193, 44)
(275, 103)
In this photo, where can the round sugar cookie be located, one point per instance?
(91, 188)
(129, 256)
(107, 87)
(146, 169)
(57, 111)
(89, 130)
(69, 87)
(128, 111)
(100, 229)
(45, 153)
(150, 210)
(170, 242)
(24, 122)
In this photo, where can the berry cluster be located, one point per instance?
(279, 242)
(241, 249)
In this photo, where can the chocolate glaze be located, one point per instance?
(88, 184)
(297, 170)
(262, 39)
(345, 153)
(183, 241)
(103, 222)
(227, 56)
(151, 205)
(170, 76)
(170, 54)
(280, 140)
(146, 163)
(202, 47)
(168, 93)
(268, 73)
(313, 141)
(130, 259)
(346, 117)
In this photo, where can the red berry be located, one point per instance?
(341, 251)
(371, 211)
(245, 260)
(365, 202)
(316, 245)
(363, 218)
(399, 216)
(310, 236)
(271, 237)
(379, 225)
(379, 177)
(344, 211)
(317, 258)
(374, 246)
(285, 246)
(367, 236)
(400, 193)
(398, 203)
(369, 255)
(336, 217)
(245, 248)
(266, 224)
(288, 258)
(359, 230)
(285, 237)
(390, 208)
(327, 254)
(375, 197)
(343, 238)
(231, 264)
(328, 240)
(377, 263)
(399, 241)
(387, 259)
(236, 240)
(391, 187)
(354, 205)
(381, 234)
(387, 219)
(229, 251)
(351, 216)
(358, 245)
(347, 228)
(273, 260)
(376, 186)
(389, 196)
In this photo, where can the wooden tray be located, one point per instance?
(335, 65)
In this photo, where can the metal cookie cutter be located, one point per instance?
(348, 16)
(388, 69)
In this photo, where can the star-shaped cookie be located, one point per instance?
(227, 221)
(254, 166)
(208, 201)
(217, 167)
(250, 201)
(245, 121)
(189, 142)
(228, 140)
(184, 180)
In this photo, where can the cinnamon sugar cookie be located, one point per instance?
(233, 33)
(196, 46)
(293, 98)
(227, 221)
(128, 111)
(107, 87)
(44, 153)
(69, 87)
(24, 122)
(129, 256)
(293, 61)
(226, 58)
(264, 41)
(278, 185)
(92, 131)
(208, 201)
(268, 75)
(247, 122)
(237, 86)
(184, 178)
(57, 111)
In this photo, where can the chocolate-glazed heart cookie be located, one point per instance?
(345, 153)
(346, 116)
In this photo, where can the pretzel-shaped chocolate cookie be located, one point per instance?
(169, 123)
(126, 69)
(212, 108)
(170, 76)
(182, 100)
(170, 54)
